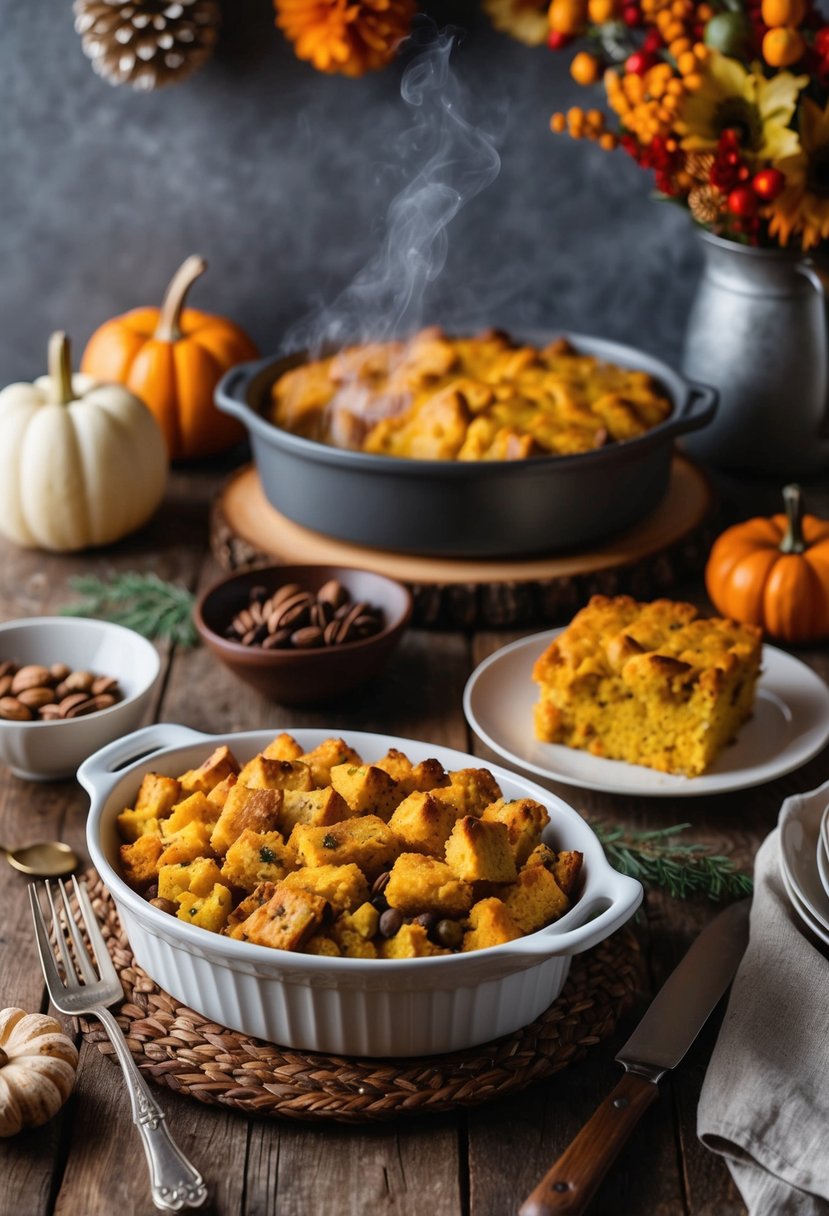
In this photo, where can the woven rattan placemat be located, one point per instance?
(185, 1051)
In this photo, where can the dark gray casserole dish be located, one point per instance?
(466, 509)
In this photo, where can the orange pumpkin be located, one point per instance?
(173, 358)
(775, 573)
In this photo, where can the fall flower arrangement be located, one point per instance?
(727, 105)
(347, 36)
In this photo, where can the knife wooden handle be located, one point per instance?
(572, 1182)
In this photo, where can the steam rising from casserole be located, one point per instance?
(456, 160)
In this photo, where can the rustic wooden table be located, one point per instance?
(482, 1161)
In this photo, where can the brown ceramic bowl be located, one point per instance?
(304, 677)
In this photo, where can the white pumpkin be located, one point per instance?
(37, 1069)
(81, 463)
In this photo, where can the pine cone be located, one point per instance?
(705, 204)
(147, 43)
(699, 165)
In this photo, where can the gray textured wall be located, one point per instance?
(282, 176)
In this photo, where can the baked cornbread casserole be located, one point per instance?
(654, 684)
(322, 853)
(483, 398)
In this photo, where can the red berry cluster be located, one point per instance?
(745, 194)
(662, 155)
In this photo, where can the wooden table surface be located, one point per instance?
(481, 1161)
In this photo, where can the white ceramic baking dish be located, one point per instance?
(403, 1007)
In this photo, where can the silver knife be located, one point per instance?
(675, 1017)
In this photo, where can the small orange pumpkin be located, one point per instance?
(774, 573)
(173, 358)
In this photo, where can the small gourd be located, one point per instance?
(37, 1069)
(81, 463)
(173, 358)
(774, 572)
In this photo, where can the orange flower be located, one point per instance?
(348, 36)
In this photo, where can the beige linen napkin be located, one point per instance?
(765, 1102)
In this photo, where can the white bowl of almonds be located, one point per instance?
(68, 686)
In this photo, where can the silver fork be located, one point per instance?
(175, 1183)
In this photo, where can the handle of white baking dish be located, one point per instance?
(602, 914)
(103, 768)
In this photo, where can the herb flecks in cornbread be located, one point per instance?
(324, 853)
(481, 398)
(654, 684)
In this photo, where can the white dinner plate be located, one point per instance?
(823, 865)
(802, 911)
(800, 818)
(790, 724)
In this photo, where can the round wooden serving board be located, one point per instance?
(647, 560)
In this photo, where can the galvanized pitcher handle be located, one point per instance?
(820, 281)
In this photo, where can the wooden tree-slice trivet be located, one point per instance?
(185, 1051)
(645, 561)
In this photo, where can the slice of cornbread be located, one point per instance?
(654, 684)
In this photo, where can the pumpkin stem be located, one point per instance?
(4, 1059)
(793, 541)
(59, 364)
(168, 328)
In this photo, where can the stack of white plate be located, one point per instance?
(804, 857)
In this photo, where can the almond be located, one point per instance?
(32, 676)
(14, 711)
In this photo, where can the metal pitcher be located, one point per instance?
(759, 332)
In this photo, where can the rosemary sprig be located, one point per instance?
(144, 602)
(682, 868)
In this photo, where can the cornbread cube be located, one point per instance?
(263, 774)
(410, 941)
(320, 943)
(565, 867)
(246, 808)
(195, 807)
(423, 824)
(135, 823)
(344, 887)
(524, 819)
(490, 925)
(207, 911)
(283, 747)
(325, 755)
(249, 904)
(192, 841)
(316, 807)
(218, 795)
(157, 794)
(422, 884)
(285, 922)
(366, 788)
(139, 861)
(479, 851)
(653, 684)
(198, 877)
(470, 790)
(427, 775)
(219, 764)
(256, 857)
(365, 840)
(350, 940)
(536, 899)
(366, 920)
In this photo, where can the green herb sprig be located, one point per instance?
(682, 868)
(144, 602)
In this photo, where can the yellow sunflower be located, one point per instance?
(732, 98)
(525, 20)
(803, 205)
